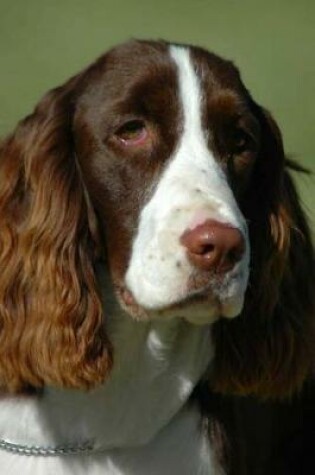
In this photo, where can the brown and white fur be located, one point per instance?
(120, 290)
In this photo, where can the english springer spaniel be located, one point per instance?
(151, 240)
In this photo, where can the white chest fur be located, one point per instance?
(141, 409)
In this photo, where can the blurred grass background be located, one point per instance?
(272, 41)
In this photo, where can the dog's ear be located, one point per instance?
(269, 349)
(51, 317)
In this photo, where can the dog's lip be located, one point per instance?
(202, 296)
(223, 309)
(127, 297)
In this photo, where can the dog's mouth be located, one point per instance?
(200, 306)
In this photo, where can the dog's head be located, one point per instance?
(156, 160)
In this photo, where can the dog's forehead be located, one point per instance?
(140, 56)
(145, 69)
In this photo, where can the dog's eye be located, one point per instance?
(242, 142)
(133, 132)
(241, 156)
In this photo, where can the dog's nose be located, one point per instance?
(213, 246)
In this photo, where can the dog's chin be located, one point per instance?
(198, 309)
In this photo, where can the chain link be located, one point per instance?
(36, 450)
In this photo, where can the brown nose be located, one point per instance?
(213, 246)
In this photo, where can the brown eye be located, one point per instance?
(133, 132)
(242, 153)
(242, 142)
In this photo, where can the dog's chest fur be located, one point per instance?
(139, 422)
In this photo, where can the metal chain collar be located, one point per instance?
(36, 450)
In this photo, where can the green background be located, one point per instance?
(272, 41)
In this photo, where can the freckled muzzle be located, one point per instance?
(198, 273)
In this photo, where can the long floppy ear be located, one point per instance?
(269, 349)
(51, 318)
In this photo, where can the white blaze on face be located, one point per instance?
(192, 189)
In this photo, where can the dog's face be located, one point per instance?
(156, 156)
(166, 140)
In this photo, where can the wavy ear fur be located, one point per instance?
(51, 318)
(269, 350)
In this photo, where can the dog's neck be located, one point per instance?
(156, 366)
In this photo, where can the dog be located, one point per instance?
(152, 241)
